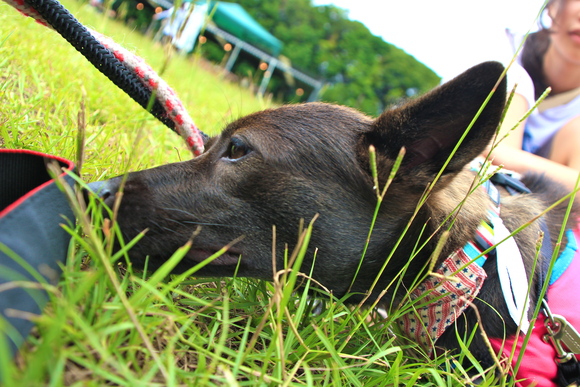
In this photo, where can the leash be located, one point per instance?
(126, 70)
(561, 335)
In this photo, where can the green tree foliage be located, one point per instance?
(361, 69)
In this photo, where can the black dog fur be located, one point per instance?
(282, 165)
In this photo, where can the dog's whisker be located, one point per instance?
(208, 224)
(163, 227)
(179, 221)
(174, 220)
(197, 223)
(177, 210)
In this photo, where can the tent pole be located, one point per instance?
(233, 57)
(267, 75)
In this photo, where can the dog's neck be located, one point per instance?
(460, 207)
(445, 294)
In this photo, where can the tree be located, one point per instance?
(361, 69)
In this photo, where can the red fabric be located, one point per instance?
(538, 366)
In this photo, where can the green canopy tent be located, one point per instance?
(231, 22)
(233, 18)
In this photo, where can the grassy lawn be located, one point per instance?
(109, 325)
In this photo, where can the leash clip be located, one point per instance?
(558, 333)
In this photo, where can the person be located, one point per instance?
(182, 26)
(548, 141)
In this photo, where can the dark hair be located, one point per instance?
(533, 59)
(533, 54)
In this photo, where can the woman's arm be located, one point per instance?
(521, 161)
(566, 145)
(509, 151)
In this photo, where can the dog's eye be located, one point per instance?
(237, 149)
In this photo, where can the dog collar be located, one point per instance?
(442, 298)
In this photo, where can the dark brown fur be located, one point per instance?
(276, 167)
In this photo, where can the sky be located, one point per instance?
(449, 36)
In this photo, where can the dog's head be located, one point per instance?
(268, 171)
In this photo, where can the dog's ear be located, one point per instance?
(431, 126)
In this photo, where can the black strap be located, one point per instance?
(80, 38)
(511, 184)
(569, 373)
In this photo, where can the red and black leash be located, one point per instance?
(125, 69)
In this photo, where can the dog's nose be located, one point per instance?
(103, 189)
(100, 188)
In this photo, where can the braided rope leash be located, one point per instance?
(127, 70)
(184, 124)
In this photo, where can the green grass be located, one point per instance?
(109, 325)
(44, 79)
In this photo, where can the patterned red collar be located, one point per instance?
(441, 298)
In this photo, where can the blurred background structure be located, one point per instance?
(290, 50)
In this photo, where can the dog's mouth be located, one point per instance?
(228, 258)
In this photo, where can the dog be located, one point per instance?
(297, 162)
